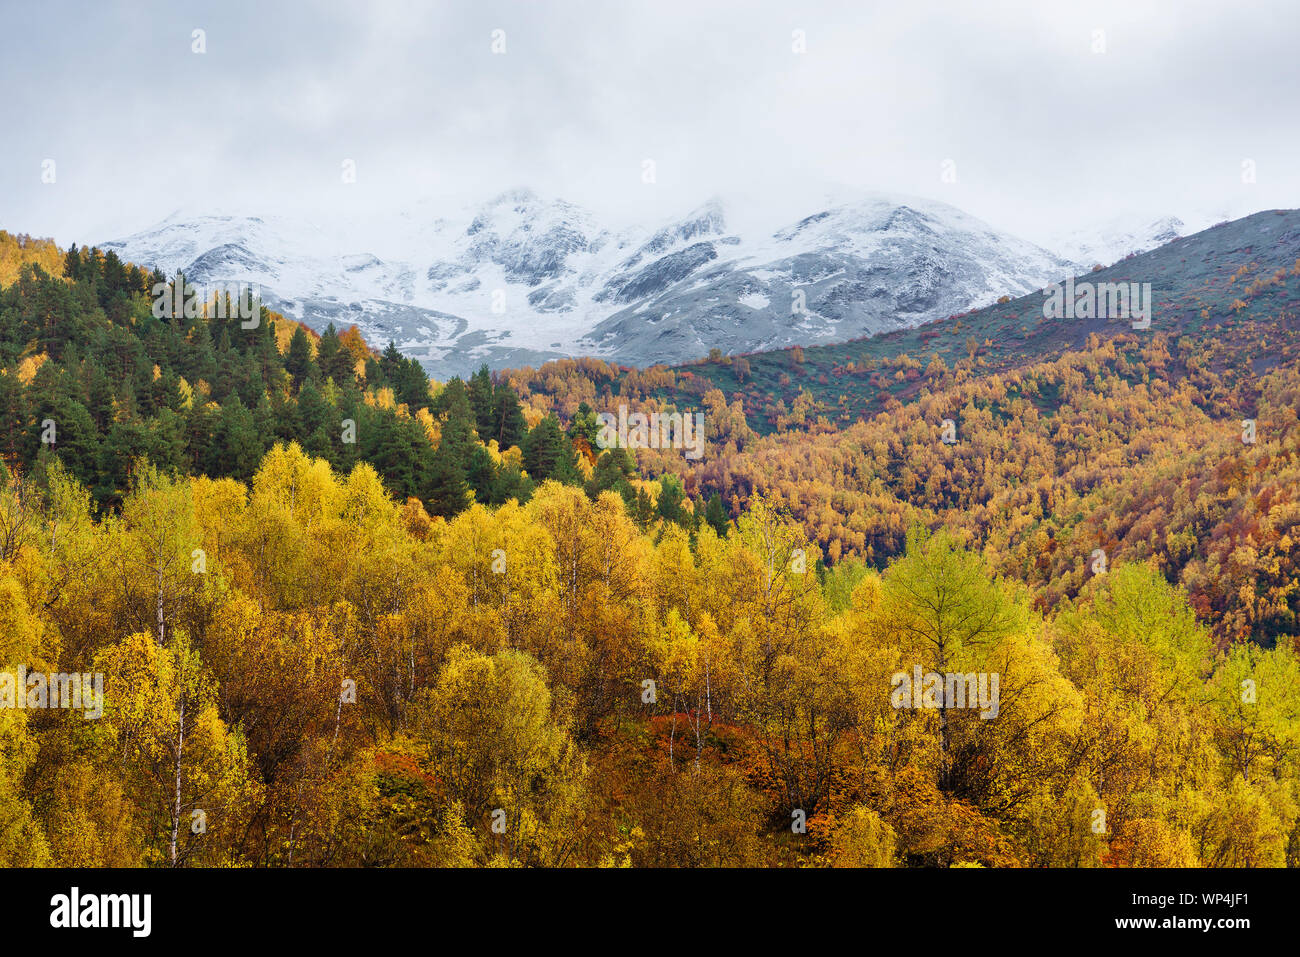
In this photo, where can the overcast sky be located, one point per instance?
(1042, 131)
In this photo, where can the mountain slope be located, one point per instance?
(844, 272)
(1106, 242)
(521, 279)
(1231, 289)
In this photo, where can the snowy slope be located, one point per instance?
(862, 268)
(521, 279)
(1108, 241)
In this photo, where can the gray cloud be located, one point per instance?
(1043, 132)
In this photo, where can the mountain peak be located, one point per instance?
(523, 278)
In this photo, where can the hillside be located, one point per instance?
(477, 570)
(1197, 283)
(522, 278)
(1070, 436)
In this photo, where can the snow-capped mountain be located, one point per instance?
(851, 270)
(1106, 243)
(521, 279)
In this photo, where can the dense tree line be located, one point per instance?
(92, 376)
(1135, 446)
(345, 679)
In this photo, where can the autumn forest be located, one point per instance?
(348, 616)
